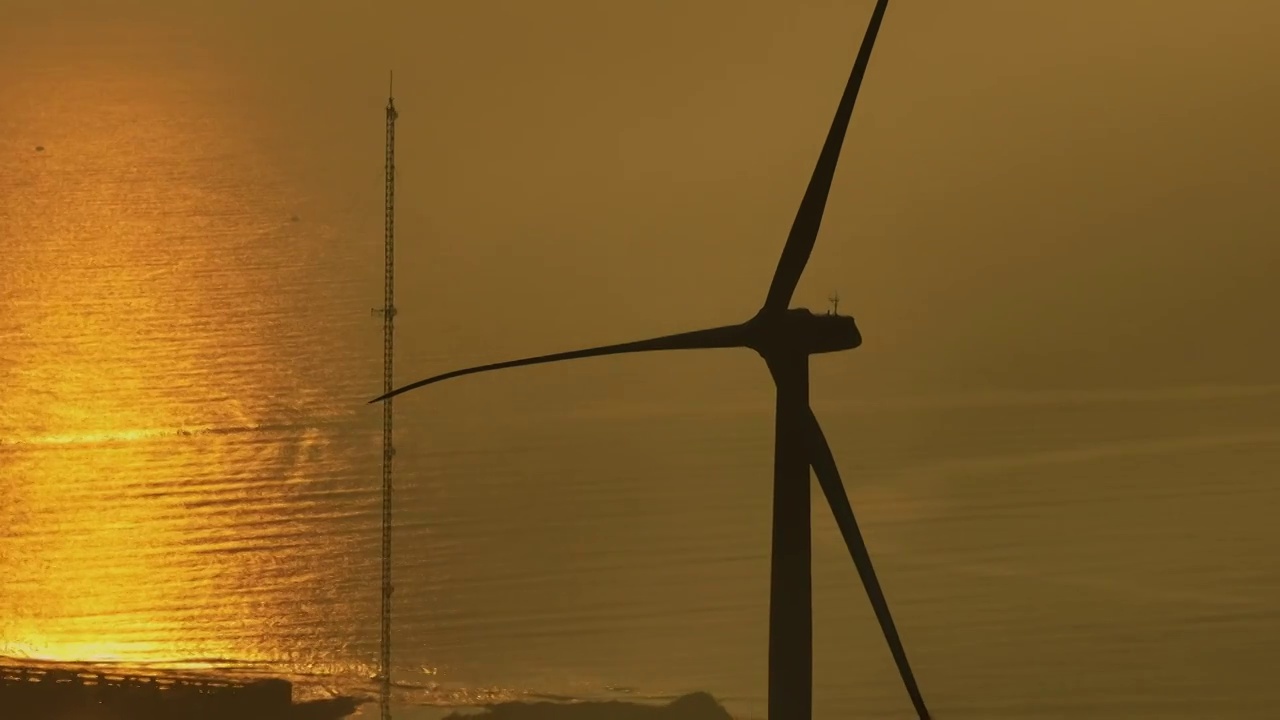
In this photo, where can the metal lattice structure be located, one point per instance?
(388, 312)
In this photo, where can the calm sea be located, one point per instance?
(189, 472)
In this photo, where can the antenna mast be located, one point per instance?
(388, 355)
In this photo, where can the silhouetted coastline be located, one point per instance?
(49, 691)
(694, 706)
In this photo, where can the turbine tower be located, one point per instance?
(785, 338)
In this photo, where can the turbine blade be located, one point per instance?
(720, 337)
(804, 229)
(824, 466)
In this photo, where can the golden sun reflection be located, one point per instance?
(146, 521)
(43, 648)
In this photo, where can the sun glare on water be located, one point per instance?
(145, 520)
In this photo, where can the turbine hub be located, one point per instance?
(799, 330)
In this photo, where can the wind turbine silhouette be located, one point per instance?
(785, 338)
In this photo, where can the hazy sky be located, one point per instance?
(1031, 192)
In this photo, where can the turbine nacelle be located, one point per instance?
(800, 330)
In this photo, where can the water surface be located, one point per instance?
(190, 474)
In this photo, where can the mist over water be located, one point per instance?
(1061, 435)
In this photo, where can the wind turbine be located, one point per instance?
(785, 338)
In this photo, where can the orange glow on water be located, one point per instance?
(137, 392)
